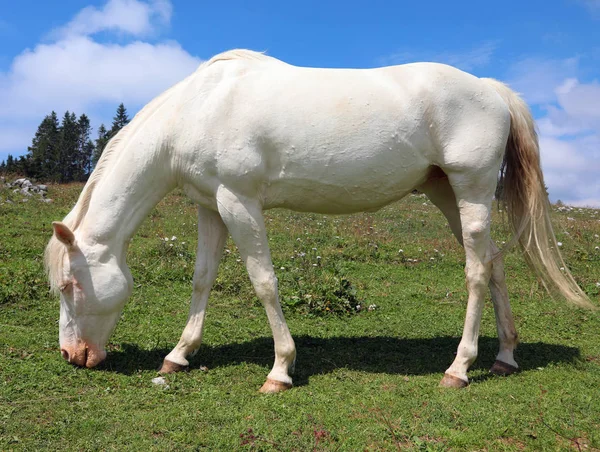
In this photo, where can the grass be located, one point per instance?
(365, 379)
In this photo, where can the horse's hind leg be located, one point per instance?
(212, 234)
(507, 334)
(441, 194)
(244, 219)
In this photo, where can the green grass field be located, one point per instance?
(364, 380)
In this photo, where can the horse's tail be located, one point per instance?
(526, 201)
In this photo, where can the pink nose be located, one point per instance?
(83, 355)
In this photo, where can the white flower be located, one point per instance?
(400, 251)
(559, 243)
(173, 238)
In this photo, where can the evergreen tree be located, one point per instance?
(100, 144)
(85, 149)
(44, 149)
(3, 167)
(10, 164)
(120, 120)
(68, 155)
(22, 166)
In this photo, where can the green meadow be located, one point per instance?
(366, 378)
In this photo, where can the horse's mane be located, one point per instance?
(238, 54)
(55, 250)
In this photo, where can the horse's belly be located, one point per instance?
(338, 193)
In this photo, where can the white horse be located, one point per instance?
(247, 132)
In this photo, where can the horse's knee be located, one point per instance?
(477, 275)
(265, 287)
(474, 232)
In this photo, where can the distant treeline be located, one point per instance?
(64, 152)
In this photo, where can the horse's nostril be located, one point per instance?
(64, 353)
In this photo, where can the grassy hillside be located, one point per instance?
(365, 380)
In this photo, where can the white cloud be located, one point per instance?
(580, 101)
(537, 78)
(569, 128)
(466, 60)
(77, 72)
(126, 16)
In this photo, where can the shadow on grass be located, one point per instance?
(369, 354)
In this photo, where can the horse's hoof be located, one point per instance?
(503, 369)
(273, 386)
(169, 367)
(450, 381)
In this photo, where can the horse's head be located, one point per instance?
(94, 285)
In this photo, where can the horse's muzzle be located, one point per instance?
(82, 354)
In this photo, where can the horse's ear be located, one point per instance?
(63, 233)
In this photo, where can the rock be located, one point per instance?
(160, 381)
(42, 187)
(25, 191)
(26, 183)
(46, 200)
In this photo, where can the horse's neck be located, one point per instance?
(125, 195)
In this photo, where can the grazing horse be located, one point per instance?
(247, 132)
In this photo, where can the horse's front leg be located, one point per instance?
(212, 234)
(244, 219)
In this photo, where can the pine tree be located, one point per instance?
(120, 120)
(10, 164)
(44, 149)
(100, 144)
(22, 166)
(85, 149)
(67, 160)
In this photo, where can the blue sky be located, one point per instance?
(89, 56)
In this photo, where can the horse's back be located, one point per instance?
(326, 139)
